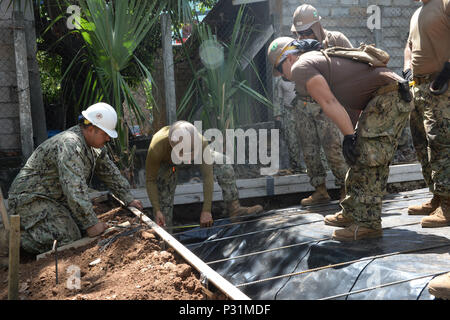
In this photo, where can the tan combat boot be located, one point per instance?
(426, 208)
(440, 286)
(355, 232)
(439, 217)
(235, 209)
(338, 220)
(318, 196)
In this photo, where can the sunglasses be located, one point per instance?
(307, 32)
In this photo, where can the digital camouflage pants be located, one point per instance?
(316, 130)
(379, 127)
(56, 224)
(430, 129)
(167, 182)
(291, 136)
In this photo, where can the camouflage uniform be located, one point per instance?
(379, 127)
(430, 127)
(50, 193)
(167, 182)
(405, 151)
(315, 129)
(283, 107)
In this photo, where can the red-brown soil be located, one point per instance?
(133, 267)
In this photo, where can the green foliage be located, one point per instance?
(221, 90)
(111, 34)
(50, 75)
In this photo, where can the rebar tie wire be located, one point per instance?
(341, 264)
(292, 245)
(385, 285)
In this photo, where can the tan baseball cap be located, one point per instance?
(304, 17)
(275, 51)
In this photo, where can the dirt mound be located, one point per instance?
(134, 266)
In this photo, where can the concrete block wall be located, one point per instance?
(350, 17)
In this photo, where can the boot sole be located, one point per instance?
(418, 214)
(373, 236)
(412, 213)
(425, 225)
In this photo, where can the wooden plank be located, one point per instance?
(14, 258)
(212, 276)
(251, 188)
(23, 86)
(258, 42)
(75, 244)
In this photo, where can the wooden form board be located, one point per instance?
(271, 186)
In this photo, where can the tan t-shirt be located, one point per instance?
(429, 37)
(353, 83)
(330, 38)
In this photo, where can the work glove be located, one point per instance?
(349, 149)
(440, 84)
(407, 74)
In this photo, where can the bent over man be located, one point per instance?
(161, 173)
(50, 193)
(341, 85)
(315, 129)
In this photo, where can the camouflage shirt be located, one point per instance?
(59, 170)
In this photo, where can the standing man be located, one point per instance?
(427, 63)
(315, 129)
(341, 85)
(286, 120)
(50, 193)
(161, 174)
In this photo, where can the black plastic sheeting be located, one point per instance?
(424, 252)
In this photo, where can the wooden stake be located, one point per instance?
(14, 257)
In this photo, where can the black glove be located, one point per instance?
(440, 84)
(349, 149)
(407, 74)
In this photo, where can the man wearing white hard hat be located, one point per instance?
(50, 193)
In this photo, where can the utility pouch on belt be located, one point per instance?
(403, 90)
(440, 84)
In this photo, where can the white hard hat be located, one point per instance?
(103, 116)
